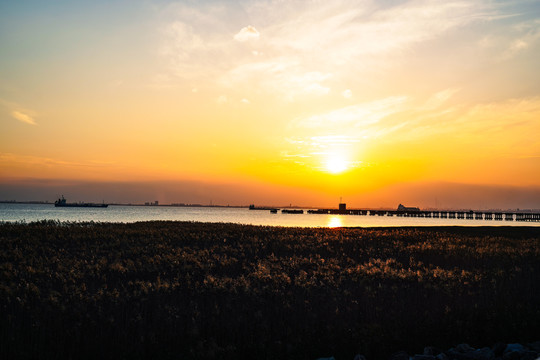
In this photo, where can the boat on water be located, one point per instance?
(63, 203)
(292, 211)
(253, 207)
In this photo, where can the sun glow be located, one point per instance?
(336, 164)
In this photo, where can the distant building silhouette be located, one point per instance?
(404, 208)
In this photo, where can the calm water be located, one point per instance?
(126, 214)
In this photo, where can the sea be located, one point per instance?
(16, 212)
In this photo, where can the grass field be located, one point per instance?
(203, 291)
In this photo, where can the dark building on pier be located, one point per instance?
(408, 209)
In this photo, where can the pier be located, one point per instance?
(486, 215)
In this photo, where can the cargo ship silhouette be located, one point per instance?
(62, 203)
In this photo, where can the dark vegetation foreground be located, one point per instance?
(202, 291)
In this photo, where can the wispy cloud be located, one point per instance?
(378, 52)
(504, 116)
(338, 38)
(340, 133)
(344, 30)
(439, 98)
(511, 41)
(353, 116)
(18, 112)
(502, 127)
(10, 158)
(247, 33)
(282, 77)
(326, 152)
(25, 118)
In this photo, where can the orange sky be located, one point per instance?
(306, 101)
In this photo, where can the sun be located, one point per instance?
(336, 164)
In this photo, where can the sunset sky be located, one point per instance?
(436, 103)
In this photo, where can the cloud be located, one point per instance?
(10, 159)
(355, 116)
(316, 89)
(18, 112)
(333, 139)
(439, 98)
(340, 38)
(309, 150)
(247, 33)
(345, 130)
(245, 101)
(369, 41)
(466, 134)
(502, 127)
(344, 31)
(347, 94)
(283, 77)
(25, 118)
(511, 41)
(502, 118)
(191, 52)
(519, 45)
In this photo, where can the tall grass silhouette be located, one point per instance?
(201, 291)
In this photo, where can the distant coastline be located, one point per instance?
(47, 202)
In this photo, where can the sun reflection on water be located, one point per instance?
(335, 221)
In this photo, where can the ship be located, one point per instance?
(253, 207)
(292, 211)
(63, 203)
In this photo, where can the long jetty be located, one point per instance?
(437, 214)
